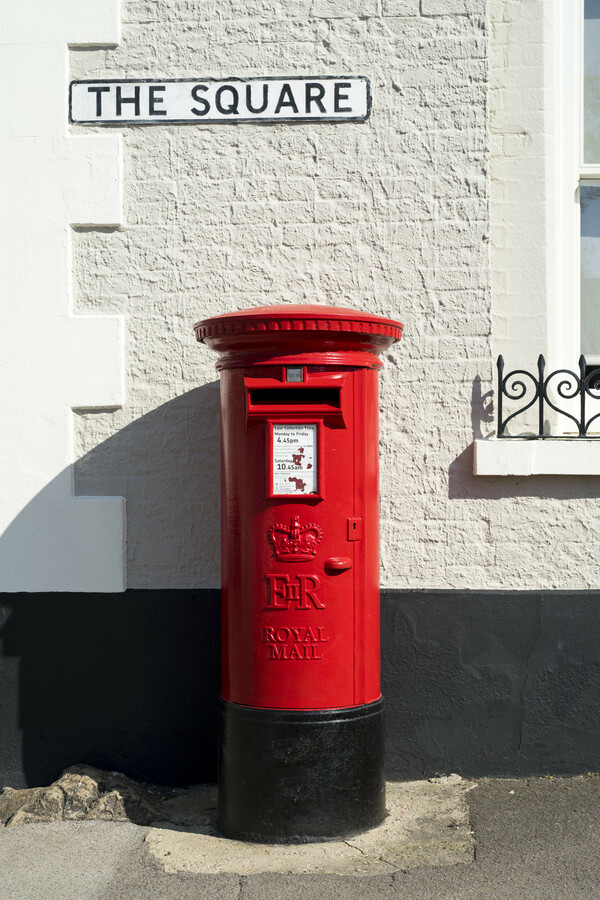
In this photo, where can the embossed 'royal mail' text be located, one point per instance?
(289, 642)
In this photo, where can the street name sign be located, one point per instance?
(328, 98)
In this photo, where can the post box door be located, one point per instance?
(299, 635)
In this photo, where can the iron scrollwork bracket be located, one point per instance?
(546, 393)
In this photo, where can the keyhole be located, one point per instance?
(354, 526)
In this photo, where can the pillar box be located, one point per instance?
(301, 750)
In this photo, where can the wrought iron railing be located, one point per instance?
(545, 393)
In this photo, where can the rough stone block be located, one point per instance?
(401, 8)
(452, 7)
(343, 9)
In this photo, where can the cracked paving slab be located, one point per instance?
(428, 825)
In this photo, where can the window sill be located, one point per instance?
(520, 456)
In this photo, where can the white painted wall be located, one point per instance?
(522, 166)
(50, 359)
(391, 216)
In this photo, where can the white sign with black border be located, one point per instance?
(294, 459)
(329, 98)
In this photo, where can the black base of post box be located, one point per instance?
(300, 775)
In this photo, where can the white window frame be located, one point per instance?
(571, 171)
(565, 320)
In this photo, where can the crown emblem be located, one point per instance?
(295, 541)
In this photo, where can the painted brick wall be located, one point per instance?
(522, 161)
(389, 216)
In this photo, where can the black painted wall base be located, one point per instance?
(476, 682)
(304, 775)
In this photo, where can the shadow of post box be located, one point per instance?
(301, 753)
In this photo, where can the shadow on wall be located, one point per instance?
(126, 681)
(166, 465)
(121, 681)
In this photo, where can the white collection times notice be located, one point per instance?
(294, 459)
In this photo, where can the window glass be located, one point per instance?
(590, 271)
(591, 82)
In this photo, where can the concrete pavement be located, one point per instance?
(535, 838)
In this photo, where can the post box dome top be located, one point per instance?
(297, 317)
(278, 332)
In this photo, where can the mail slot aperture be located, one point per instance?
(322, 398)
(321, 394)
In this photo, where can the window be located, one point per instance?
(546, 169)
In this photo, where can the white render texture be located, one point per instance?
(51, 360)
(391, 216)
(522, 159)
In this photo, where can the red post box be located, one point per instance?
(301, 753)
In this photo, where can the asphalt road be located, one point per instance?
(536, 839)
